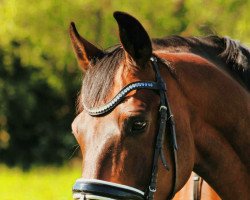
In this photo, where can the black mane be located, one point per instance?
(226, 53)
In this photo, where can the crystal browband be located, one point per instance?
(95, 111)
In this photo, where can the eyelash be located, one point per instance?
(130, 124)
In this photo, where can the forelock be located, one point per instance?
(99, 78)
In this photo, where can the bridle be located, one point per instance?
(166, 120)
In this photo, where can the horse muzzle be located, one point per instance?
(93, 189)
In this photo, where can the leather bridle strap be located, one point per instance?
(165, 115)
(198, 181)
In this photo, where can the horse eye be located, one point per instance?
(138, 126)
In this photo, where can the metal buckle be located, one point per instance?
(196, 178)
(153, 59)
(163, 108)
(171, 118)
(152, 190)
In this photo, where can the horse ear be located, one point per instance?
(84, 50)
(134, 38)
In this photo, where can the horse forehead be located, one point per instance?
(98, 127)
(141, 99)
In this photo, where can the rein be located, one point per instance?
(166, 120)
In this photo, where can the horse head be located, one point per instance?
(118, 145)
(126, 129)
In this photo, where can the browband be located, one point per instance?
(95, 111)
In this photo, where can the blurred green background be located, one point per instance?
(40, 79)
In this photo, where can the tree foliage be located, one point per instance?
(39, 77)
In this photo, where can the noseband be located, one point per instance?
(166, 118)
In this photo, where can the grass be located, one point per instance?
(40, 183)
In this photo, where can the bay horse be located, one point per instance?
(151, 112)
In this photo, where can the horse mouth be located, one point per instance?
(93, 189)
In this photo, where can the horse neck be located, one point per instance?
(228, 54)
(219, 115)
